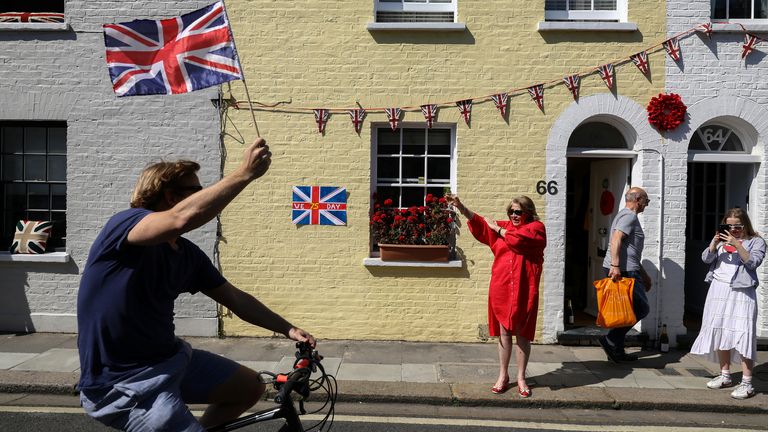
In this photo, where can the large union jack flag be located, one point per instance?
(31, 17)
(174, 55)
(319, 205)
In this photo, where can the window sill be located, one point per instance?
(34, 26)
(733, 27)
(377, 262)
(584, 26)
(51, 257)
(410, 26)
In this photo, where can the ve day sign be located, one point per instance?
(319, 205)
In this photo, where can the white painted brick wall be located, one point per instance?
(714, 82)
(63, 76)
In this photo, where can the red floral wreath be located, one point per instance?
(666, 111)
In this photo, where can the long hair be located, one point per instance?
(741, 215)
(527, 205)
(156, 179)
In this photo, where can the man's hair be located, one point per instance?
(526, 204)
(156, 179)
(633, 194)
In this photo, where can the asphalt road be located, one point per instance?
(413, 418)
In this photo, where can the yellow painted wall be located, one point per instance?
(319, 54)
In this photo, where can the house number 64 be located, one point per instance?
(546, 187)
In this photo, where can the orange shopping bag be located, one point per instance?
(614, 303)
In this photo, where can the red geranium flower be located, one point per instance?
(431, 223)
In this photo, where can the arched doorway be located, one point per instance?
(599, 167)
(721, 174)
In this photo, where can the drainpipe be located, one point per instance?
(660, 256)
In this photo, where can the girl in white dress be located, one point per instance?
(729, 325)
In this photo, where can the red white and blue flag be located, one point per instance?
(465, 108)
(573, 82)
(750, 41)
(393, 115)
(673, 48)
(501, 100)
(31, 237)
(641, 61)
(321, 118)
(319, 205)
(430, 113)
(357, 116)
(606, 73)
(705, 28)
(537, 95)
(31, 17)
(174, 55)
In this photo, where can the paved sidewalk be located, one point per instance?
(432, 373)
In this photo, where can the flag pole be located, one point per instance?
(242, 71)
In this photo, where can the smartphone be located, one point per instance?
(723, 228)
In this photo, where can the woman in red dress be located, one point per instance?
(513, 298)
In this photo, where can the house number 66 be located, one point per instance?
(546, 187)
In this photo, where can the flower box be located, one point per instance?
(422, 253)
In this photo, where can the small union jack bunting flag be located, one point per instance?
(673, 48)
(641, 61)
(606, 73)
(393, 114)
(501, 100)
(750, 41)
(705, 28)
(31, 17)
(321, 118)
(319, 205)
(465, 108)
(573, 82)
(537, 95)
(31, 237)
(357, 116)
(430, 113)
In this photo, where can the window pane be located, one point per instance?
(57, 140)
(15, 196)
(387, 169)
(581, 5)
(59, 229)
(739, 9)
(34, 168)
(413, 196)
(38, 216)
(605, 5)
(438, 170)
(12, 168)
(34, 141)
(13, 139)
(58, 197)
(761, 9)
(413, 170)
(388, 142)
(439, 142)
(384, 193)
(413, 141)
(554, 5)
(438, 192)
(57, 168)
(38, 197)
(718, 9)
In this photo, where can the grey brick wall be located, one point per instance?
(716, 84)
(62, 75)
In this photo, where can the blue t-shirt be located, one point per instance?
(126, 298)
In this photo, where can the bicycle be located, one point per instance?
(298, 380)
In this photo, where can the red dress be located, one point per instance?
(513, 297)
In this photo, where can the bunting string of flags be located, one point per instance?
(501, 100)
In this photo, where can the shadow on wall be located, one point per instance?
(15, 311)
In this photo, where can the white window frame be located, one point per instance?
(751, 20)
(11, 26)
(620, 14)
(412, 6)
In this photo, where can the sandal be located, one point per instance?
(524, 392)
(500, 389)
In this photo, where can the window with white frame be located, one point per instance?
(33, 181)
(415, 11)
(585, 10)
(26, 12)
(411, 162)
(739, 9)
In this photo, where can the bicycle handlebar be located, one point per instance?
(298, 380)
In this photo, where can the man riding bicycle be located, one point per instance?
(135, 373)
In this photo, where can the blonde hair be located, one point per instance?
(156, 179)
(526, 204)
(741, 215)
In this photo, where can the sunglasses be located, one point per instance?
(736, 226)
(515, 212)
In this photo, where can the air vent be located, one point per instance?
(414, 17)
